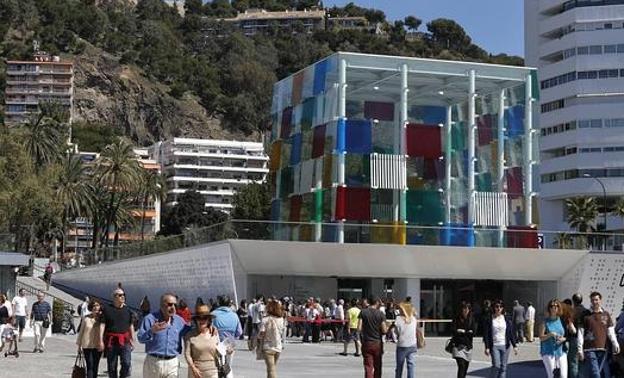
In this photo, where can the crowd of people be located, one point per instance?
(574, 341)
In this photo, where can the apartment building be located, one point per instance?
(578, 47)
(254, 21)
(215, 168)
(28, 83)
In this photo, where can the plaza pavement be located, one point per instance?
(297, 360)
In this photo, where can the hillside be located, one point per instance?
(145, 70)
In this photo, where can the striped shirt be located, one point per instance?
(40, 311)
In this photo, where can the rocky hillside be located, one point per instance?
(122, 96)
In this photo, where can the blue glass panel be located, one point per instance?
(307, 113)
(295, 154)
(275, 210)
(320, 74)
(358, 136)
(428, 114)
(458, 235)
(514, 121)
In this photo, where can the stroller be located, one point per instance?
(9, 339)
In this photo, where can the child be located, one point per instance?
(9, 339)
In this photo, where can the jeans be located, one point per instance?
(593, 360)
(92, 360)
(462, 367)
(573, 362)
(372, 352)
(520, 332)
(500, 355)
(405, 354)
(119, 352)
(270, 359)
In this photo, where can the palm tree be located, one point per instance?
(582, 213)
(43, 135)
(74, 191)
(117, 170)
(152, 187)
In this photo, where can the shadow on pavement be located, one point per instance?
(533, 369)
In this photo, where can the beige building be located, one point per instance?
(44, 79)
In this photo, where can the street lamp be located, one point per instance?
(604, 197)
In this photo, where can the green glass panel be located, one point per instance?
(458, 136)
(318, 206)
(483, 182)
(424, 207)
(357, 170)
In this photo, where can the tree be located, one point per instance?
(190, 212)
(448, 34)
(117, 169)
(43, 134)
(582, 213)
(152, 186)
(74, 191)
(252, 202)
(412, 23)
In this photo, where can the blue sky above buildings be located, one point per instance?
(495, 25)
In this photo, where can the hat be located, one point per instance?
(202, 310)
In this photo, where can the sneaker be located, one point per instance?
(344, 354)
(35, 350)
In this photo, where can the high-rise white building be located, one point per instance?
(215, 168)
(578, 48)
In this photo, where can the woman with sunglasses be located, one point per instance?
(499, 337)
(200, 346)
(551, 341)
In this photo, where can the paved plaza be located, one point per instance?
(298, 360)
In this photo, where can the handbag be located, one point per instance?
(223, 367)
(448, 347)
(420, 338)
(46, 323)
(79, 370)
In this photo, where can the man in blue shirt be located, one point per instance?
(227, 323)
(162, 333)
(40, 315)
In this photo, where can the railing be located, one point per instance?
(377, 233)
(34, 290)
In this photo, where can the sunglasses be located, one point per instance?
(120, 295)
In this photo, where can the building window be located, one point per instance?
(553, 105)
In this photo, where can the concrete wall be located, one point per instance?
(204, 271)
(7, 280)
(299, 287)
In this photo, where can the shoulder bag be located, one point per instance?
(420, 337)
(79, 370)
(46, 323)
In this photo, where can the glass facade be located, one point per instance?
(360, 140)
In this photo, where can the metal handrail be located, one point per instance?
(33, 291)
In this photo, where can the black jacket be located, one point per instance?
(463, 339)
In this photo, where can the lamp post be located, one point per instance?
(604, 197)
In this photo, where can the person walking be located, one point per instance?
(339, 317)
(499, 337)
(117, 335)
(40, 321)
(201, 346)
(257, 314)
(518, 320)
(20, 306)
(552, 339)
(372, 326)
(405, 325)
(529, 317)
(162, 332)
(88, 338)
(226, 321)
(619, 333)
(596, 330)
(270, 337)
(183, 311)
(578, 314)
(463, 328)
(242, 317)
(47, 275)
(352, 334)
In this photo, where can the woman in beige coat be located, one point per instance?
(89, 338)
(200, 346)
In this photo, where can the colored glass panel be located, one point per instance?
(306, 145)
(388, 233)
(382, 205)
(383, 137)
(424, 140)
(328, 168)
(521, 237)
(297, 88)
(458, 136)
(318, 141)
(423, 236)
(458, 235)
(483, 182)
(276, 154)
(357, 136)
(514, 121)
(295, 208)
(307, 113)
(514, 178)
(382, 111)
(424, 207)
(427, 114)
(485, 130)
(286, 182)
(286, 123)
(320, 75)
(357, 170)
(353, 203)
(295, 155)
(275, 210)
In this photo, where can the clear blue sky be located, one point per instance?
(495, 25)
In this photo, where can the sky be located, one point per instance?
(495, 25)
